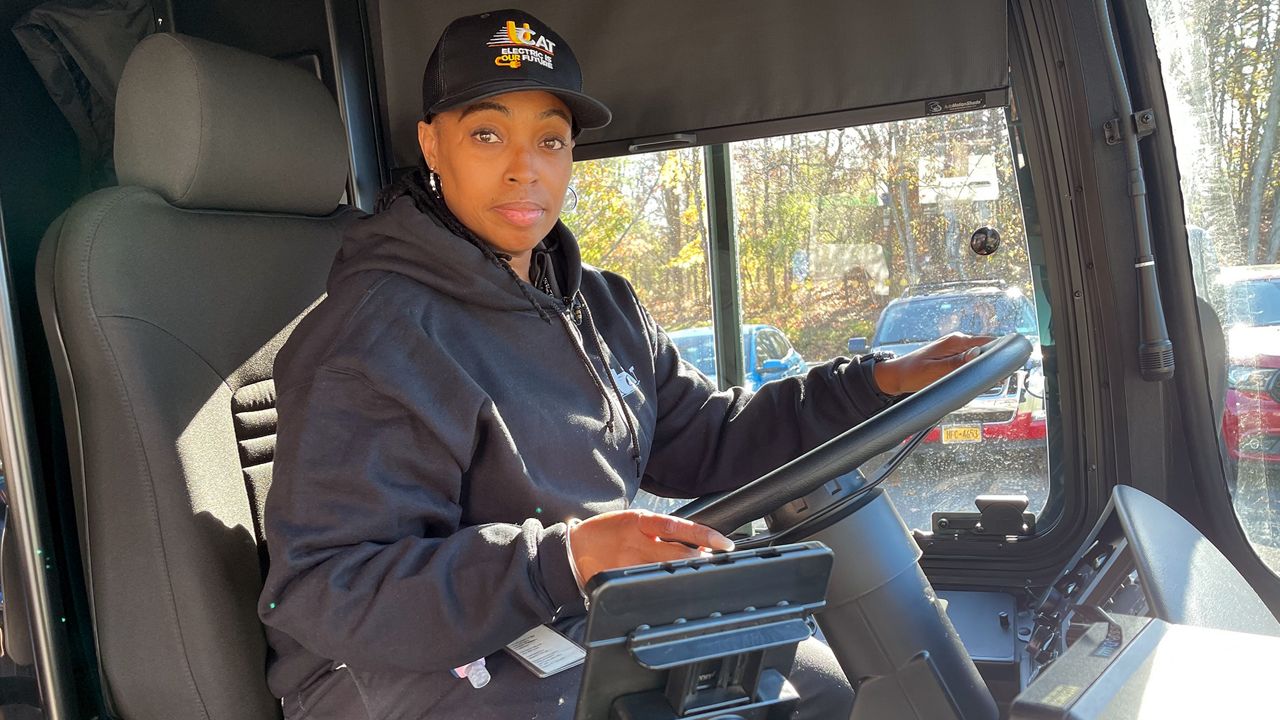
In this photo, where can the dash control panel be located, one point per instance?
(1104, 576)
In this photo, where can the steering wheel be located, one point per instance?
(846, 452)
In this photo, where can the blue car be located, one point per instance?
(767, 353)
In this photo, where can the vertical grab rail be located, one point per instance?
(20, 472)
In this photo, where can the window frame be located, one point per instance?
(1050, 161)
(1047, 126)
(1040, 554)
(966, 549)
(946, 559)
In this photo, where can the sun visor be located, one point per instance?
(677, 73)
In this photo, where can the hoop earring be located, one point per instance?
(433, 182)
(570, 206)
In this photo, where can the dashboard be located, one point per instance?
(1144, 586)
(1105, 577)
(1143, 559)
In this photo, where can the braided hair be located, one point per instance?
(422, 186)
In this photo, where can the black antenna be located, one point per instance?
(1155, 351)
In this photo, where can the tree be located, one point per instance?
(1221, 58)
(831, 225)
(644, 217)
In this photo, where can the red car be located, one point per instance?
(1251, 419)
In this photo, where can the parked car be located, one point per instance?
(1251, 416)
(1011, 413)
(767, 353)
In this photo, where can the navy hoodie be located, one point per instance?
(438, 426)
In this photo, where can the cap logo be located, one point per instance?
(519, 44)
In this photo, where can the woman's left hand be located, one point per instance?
(922, 366)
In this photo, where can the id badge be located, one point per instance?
(545, 651)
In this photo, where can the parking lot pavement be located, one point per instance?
(919, 490)
(928, 484)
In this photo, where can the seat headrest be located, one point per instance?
(212, 127)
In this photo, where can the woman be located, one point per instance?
(469, 389)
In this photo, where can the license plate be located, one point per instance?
(956, 434)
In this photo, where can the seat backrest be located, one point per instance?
(164, 302)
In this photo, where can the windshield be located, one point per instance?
(930, 318)
(1221, 65)
(1254, 302)
(846, 234)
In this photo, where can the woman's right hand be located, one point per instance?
(635, 537)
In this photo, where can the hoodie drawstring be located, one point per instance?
(581, 313)
(591, 370)
(617, 393)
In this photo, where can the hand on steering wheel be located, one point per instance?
(636, 537)
(846, 452)
(921, 367)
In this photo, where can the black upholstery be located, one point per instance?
(164, 322)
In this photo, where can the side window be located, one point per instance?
(855, 233)
(863, 234)
(782, 344)
(763, 349)
(1220, 60)
(776, 347)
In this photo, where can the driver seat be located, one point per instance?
(164, 302)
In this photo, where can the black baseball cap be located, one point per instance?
(503, 51)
